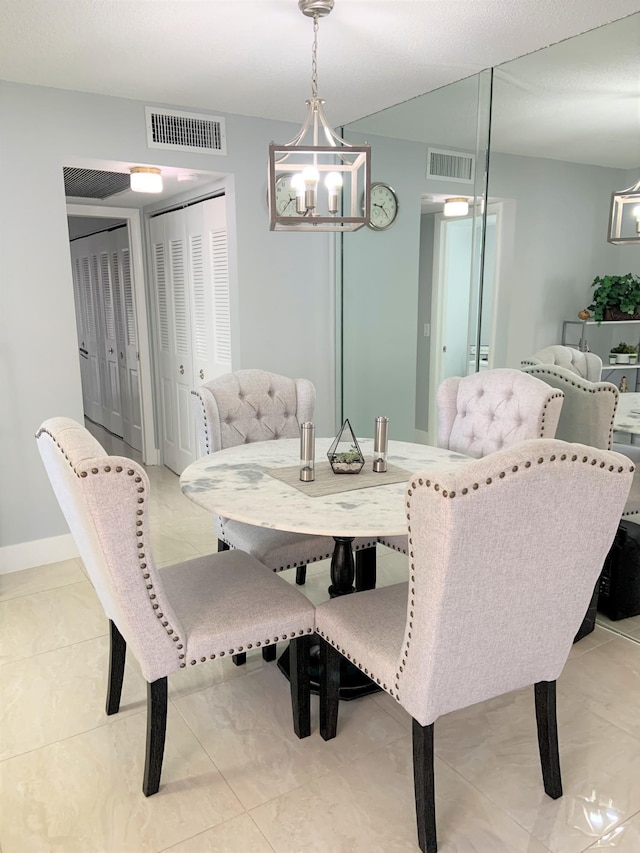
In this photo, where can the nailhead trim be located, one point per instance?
(580, 382)
(140, 545)
(446, 494)
(205, 422)
(269, 641)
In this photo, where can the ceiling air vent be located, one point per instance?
(185, 131)
(443, 165)
(92, 183)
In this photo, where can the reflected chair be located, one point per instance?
(587, 417)
(504, 553)
(175, 617)
(254, 405)
(488, 411)
(587, 365)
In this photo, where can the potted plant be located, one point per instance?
(623, 354)
(616, 297)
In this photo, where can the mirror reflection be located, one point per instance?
(434, 296)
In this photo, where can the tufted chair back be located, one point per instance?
(105, 502)
(588, 408)
(494, 409)
(251, 405)
(587, 365)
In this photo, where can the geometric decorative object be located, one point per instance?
(624, 216)
(316, 180)
(345, 456)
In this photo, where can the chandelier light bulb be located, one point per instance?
(333, 183)
(310, 176)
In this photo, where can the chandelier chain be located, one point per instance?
(314, 59)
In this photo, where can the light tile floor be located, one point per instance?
(235, 778)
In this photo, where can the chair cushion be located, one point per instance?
(229, 602)
(280, 549)
(368, 626)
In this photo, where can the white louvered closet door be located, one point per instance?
(170, 258)
(207, 228)
(127, 339)
(92, 391)
(189, 248)
(111, 303)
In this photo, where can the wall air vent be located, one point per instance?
(443, 165)
(181, 131)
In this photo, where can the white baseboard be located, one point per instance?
(26, 555)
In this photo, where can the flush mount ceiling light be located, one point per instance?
(458, 206)
(145, 179)
(624, 216)
(317, 181)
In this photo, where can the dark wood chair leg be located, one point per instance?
(240, 659)
(117, 655)
(329, 689)
(545, 693)
(299, 661)
(269, 652)
(301, 575)
(424, 787)
(156, 730)
(222, 546)
(366, 569)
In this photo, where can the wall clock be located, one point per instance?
(285, 202)
(383, 206)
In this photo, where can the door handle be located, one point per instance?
(202, 374)
(121, 355)
(110, 350)
(182, 368)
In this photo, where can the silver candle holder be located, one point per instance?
(307, 452)
(380, 445)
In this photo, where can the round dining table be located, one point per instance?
(248, 483)
(236, 483)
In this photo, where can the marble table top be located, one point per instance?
(627, 417)
(234, 483)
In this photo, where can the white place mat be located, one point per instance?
(328, 483)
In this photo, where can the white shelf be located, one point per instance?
(606, 367)
(601, 322)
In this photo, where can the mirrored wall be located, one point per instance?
(432, 296)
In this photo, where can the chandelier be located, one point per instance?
(317, 181)
(624, 216)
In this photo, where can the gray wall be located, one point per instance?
(285, 303)
(558, 215)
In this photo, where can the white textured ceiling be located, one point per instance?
(578, 100)
(252, 57)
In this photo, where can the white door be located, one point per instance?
(189, 250)
(111, 402)
(455, 298)
(127, 339)
(93, 394)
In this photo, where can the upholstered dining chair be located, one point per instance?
(587, 365)
(491, 605)
(587, 416)
(171, 618)
(490, 410)
(254, 405)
